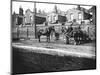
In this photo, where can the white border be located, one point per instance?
(5, 51)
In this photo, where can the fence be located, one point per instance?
(28, 32)
(23, 32)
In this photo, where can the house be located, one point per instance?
(31, 16)
(78, 15)
(55, 16)
(18, 19)
(92, 11)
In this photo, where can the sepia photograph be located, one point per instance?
(52, 37)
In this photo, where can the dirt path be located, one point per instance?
(57, 49)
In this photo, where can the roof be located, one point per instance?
(81, 9)
(40, 15)
(37, 14)
(62, 13)
(17, 15)
(92, 9)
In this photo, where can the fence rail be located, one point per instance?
(29, 31)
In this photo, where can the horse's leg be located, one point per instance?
(47, 38)
(67, 40)
(79, 38)
(39, 38)
(75, 39)
(51, 35)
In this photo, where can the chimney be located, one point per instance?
(78, 7)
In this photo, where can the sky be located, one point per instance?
(43, 6)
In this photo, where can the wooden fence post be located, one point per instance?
(27, 33)
(18, 32)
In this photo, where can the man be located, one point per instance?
(69, 33)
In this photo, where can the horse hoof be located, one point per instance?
(67, 43)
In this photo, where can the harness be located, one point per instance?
(68, 33)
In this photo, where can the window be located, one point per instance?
(49, 18)
(71, 16)
(55, 17)
(80, 16)
(25, 19)
(91, 13)
(16, 20)
(30, 18)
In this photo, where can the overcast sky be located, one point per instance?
(42, 6)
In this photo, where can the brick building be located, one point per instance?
(29, 17)
(18, 19)
(55, 16)
(92, 10)
(78, 14)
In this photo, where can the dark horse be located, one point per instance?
(78, 36)
(75, 33)
(47, 32)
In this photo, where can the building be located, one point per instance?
(92, 11)
(28, 17)
(56, 16)
(78, 15)
(18, 19)
(31, 16)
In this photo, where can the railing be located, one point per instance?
(28, 32)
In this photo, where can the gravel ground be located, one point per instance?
(88, 48)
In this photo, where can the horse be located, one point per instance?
(47, 32)
(76, 34)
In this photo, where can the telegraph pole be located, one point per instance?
(35, 29)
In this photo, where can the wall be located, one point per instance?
(28, 17)
(75, 14)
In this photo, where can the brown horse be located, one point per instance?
(47, 32)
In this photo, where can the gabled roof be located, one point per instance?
(62, 13)
(17, 15)
(28, 10)
(37, 14)
(40, 15)
(81, 9)
(92, 9)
